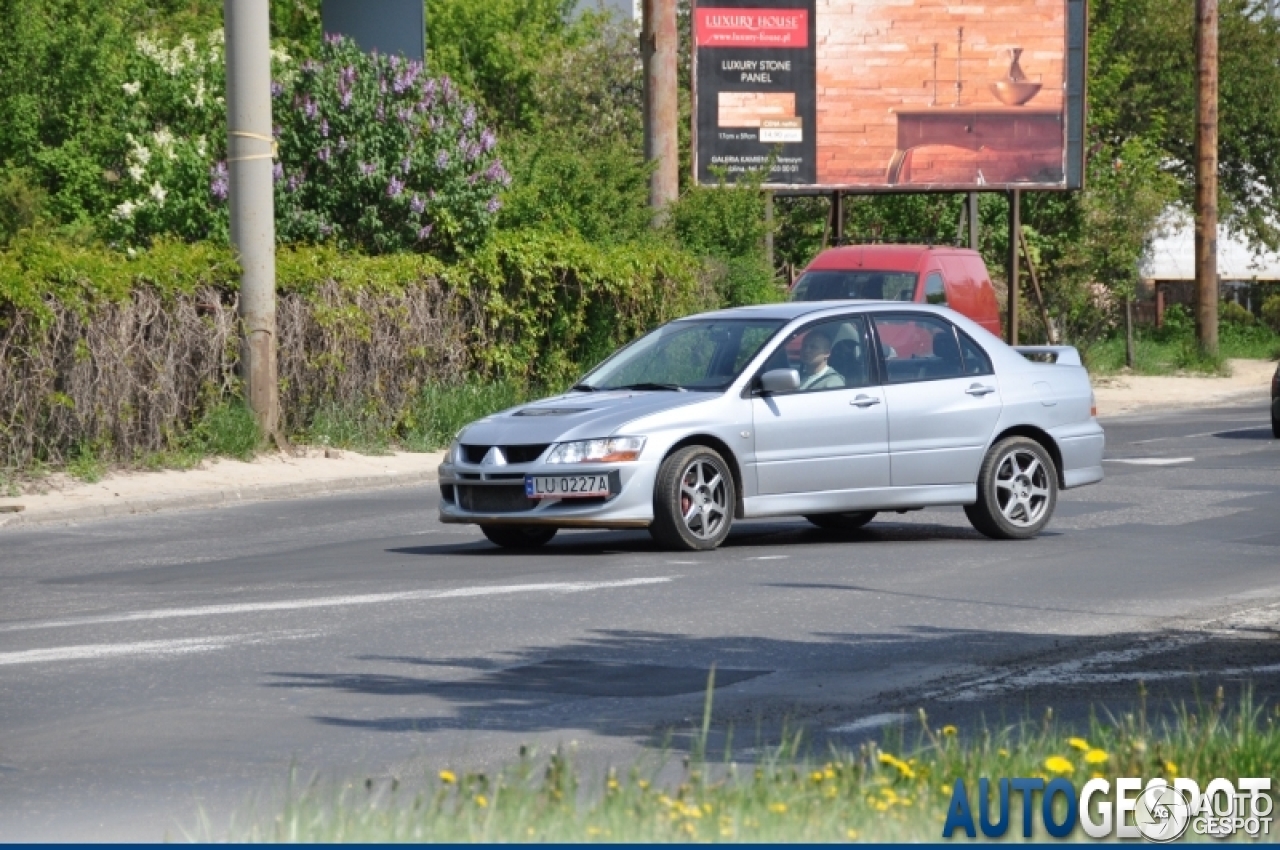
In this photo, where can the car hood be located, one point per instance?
(574, 416)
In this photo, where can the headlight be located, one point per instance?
(597, 451)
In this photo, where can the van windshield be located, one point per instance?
(838, 284)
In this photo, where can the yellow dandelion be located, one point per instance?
(817, 776)
(1096, 775)
(644, 784)
(1170, 767)
(1078, 744)
(594, 831)
(689, 828)
(726, 832)
(851, 834)
(482, 801)
(828, 773)
(1003, 753)
(529, 831)
(447, 777)
(1057, 764)
(948, 731)
(778, 808)
(612, 784)
(1096, 756)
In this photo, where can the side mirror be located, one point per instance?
(780, 381)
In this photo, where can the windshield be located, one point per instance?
(684, 355)
(837, 284)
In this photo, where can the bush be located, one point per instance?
(1231, 313)
(1271, 312)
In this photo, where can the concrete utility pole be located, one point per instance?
(1206, 207)
(250, 151)
(658, 45)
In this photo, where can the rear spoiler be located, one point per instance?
(1062, 355)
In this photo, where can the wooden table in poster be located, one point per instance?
(998, 128)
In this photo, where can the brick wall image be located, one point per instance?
(875, 81)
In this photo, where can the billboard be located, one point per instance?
(890, 95)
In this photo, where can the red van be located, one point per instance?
(956, 277)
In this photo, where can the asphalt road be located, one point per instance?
(155, 667)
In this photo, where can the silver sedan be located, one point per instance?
(833, 411)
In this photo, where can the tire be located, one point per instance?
(850, 521)
(519, 536)
(1017, 490)
(693, 500)
(1275, 426)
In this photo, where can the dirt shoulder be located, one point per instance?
(1121, 394)
(61, 498)
(216, 482)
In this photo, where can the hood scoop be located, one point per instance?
(550, 411)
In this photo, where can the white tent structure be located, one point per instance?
(1172, 256)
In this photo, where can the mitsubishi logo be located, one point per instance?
(494, 457)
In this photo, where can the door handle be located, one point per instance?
(979, 390)
(864, 401)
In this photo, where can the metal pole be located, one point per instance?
(1015, 234)
(837, 217)
(250, 150)
(658, 45)
(1206, 203)
(973, 221)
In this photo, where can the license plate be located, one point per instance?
(566, 486)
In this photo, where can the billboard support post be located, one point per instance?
(973, 220)
(1015, 232)
(658, 43)
(1206, 201)
(837, 218)
(250, 151)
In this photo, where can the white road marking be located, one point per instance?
(96, 651)
(768, 558)
(875, 721)
(334, 602)
(1149, 461)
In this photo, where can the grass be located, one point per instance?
(880, 792)
(1173, 348)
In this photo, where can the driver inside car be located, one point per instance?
(815, 373)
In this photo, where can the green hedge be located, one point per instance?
(124, 353)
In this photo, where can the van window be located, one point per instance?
(838, 284)
(935, 292)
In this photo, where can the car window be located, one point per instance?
(918, 348)
(838, 284)
(687, 354)
(935, 291)
(829, 355)
(976, 361)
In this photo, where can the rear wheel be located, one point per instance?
(1275, 426)
(693, 500)
(850, 521)
(519, 536)
(1017, 490)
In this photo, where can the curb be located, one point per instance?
(218, 498)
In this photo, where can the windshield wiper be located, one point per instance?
(582, 388)
(676, 388)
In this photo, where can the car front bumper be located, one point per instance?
(483, 496)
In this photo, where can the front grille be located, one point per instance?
(513, 454)
(499, 499)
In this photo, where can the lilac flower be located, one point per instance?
(324, 128)
(442, 160)
(333, 38)
(382, 84)
(417, 205)
(495, 173)
(380, 113)
(488, 140)
(277, 172)
(342, 144)
(472, 178)
(472, 151)
(469, 117)
(218, 181)
(368, 168)
(395, 187)
(276, 89)
(404, 115)
(424, 233)
(405, 165)
(493, 206)
(309, 108)
(346, 98)
(394, 61)
(323, 154)
(294, 181)
(436, 123)
(310, 66)
(347, 75)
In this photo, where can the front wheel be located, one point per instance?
(519, 536)
(1275, 426)
(693, 500)
(1017, 490)
(850, 521)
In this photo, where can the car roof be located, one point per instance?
(791, 310)
(875, 257)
